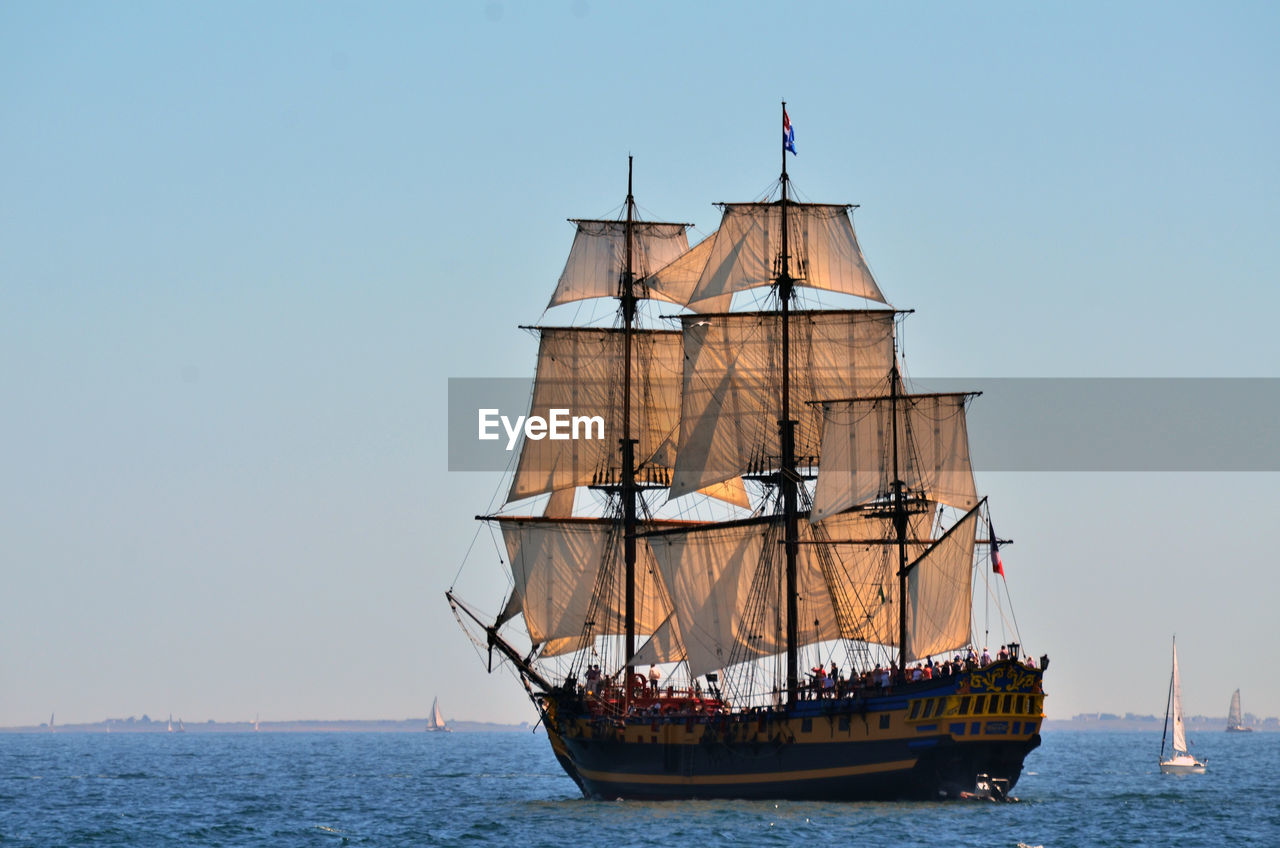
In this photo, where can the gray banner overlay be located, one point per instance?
(1018, 424)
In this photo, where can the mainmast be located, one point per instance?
(899, 519)
(628, 303)
(786, 431)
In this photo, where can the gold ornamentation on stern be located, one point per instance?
(1004, 679)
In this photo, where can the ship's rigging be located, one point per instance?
(859, 535)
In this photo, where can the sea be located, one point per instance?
(506, 789)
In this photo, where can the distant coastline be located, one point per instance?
(147, 725)
(1131, 721)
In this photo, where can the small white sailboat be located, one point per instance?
(1180, 762)
(1235, 718)
(436, 721)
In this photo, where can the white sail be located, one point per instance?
(730, 402)
(940, 593)
(578, 371)
(1235, 718)
(666, 645)
(823, 252)
(598, 260)
(1179, 729)
(560, 504)
(557, 566)
(437, 718)
(857, 451)
(726, 585)
(510, 609)
(680, 277)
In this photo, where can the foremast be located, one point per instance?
(598, 586)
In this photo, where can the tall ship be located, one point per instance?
(1235, 718)
(760, 583)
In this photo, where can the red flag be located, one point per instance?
(997, 567)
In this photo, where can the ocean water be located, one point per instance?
(478, 789)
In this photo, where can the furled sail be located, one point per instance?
(857, 451)
(731, 403)
(823, 252)
(598, 259)
(940, 592)
(563, 573)
(578, 370)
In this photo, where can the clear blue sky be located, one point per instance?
(243, 246)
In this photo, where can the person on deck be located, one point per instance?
(986, 658)
(654, 677)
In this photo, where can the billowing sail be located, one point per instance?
(726, 585)
(679, 278)
(579, 371)
(861, 570)
(858, 458)
(568, 576)
(727, 613)
(731, 400)
(745, 253)
(940, 593)
(666, 645)
(598, 260)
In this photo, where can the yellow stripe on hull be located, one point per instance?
(761, 777)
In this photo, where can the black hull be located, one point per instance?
(879, 748)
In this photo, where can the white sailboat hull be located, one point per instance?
(1185, 764)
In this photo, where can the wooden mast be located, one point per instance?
(628, 302)
(786, 430)
(899, 519)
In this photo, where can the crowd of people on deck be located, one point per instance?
(828, 682)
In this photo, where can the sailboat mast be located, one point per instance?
(786, 427)
(628, 298)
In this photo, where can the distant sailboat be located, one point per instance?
(1235, 719)
(255, 724)
(1180, 762)
(170, 722)
(50, 722)
(436, 722)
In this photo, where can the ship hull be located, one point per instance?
(927, 741)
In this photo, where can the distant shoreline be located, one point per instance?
(1086, 722)
(408, 725)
